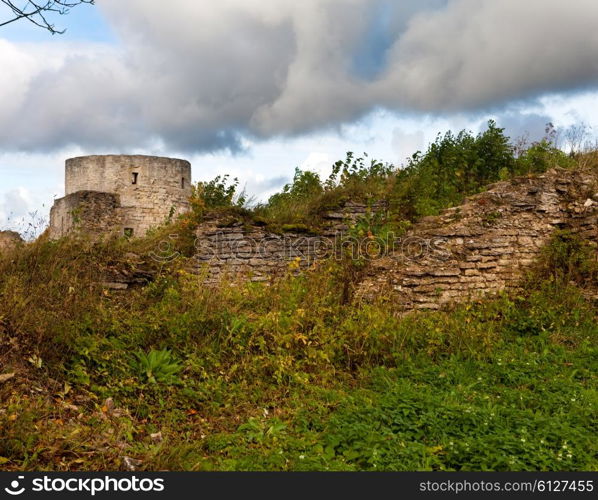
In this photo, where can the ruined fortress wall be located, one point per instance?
(149, 189)
(487, 244)
(88, 211)
(237, 248)
(481, 247)
(250, 251)
(9, 240)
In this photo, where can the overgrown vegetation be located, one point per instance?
(289, 377)
(292, 375)
(453, 166)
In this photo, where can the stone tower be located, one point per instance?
(120, 193)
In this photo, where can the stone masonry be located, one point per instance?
(87, 211)
(9, 240)
(248, 249)
(486, 244)
(120, 193)
(478, 248)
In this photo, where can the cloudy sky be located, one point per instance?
(255, 88)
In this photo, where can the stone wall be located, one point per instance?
(87, 211)
(9, 240)
(149, 189)
(485, 245)
(246, 248)
(480, 247)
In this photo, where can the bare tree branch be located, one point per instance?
(36, 11)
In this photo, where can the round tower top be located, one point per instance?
(123, 173)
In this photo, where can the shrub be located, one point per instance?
(306, 198)
(220, 193)
(568, 258)
(541, 156)
(454, 166)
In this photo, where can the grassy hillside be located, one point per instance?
(292, 375)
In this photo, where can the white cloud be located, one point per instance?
(21, 210)
(319, 162)
(197, 77)
(276, 83)
(407, 143)
(481, 52)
